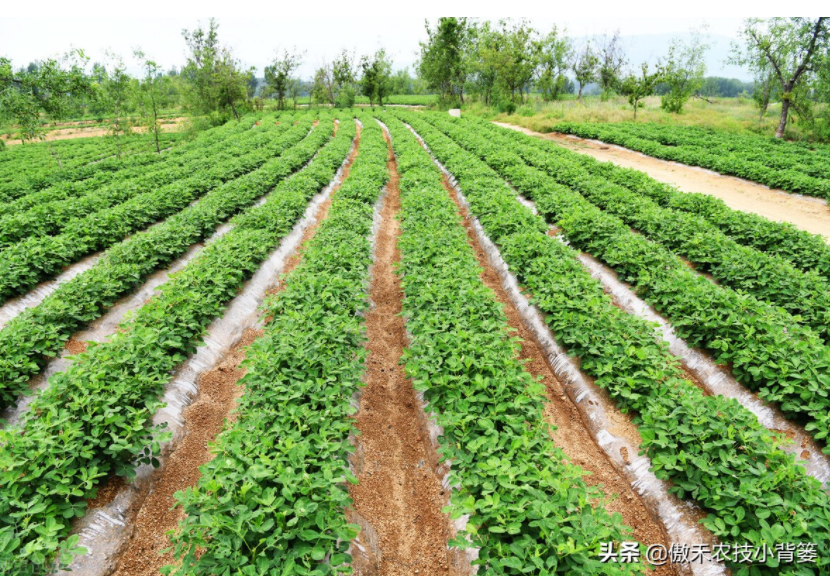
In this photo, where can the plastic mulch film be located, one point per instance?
(104, 531)
(679, 518)
(715, 379)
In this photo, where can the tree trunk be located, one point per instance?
(156, 125)
(579, 96)
(785, 110)
(635, 109)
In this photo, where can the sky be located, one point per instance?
(255, 40)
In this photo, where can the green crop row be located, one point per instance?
(808, 158)
(49, 218)
(40, 160)
(743, 162)
(39, 258)
(767, 352)
(65, 190)
(39, 333)
(712, 449)
(273, 499)
(804, 250)
(770, 278)
(67, 149)
(93, 420)
(24, 178)
(530, 511)
(128, 169)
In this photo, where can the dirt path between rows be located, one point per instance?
(810, 214)
(205, 418)
(571, 435)
(398, 492)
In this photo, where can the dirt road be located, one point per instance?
(810, 214)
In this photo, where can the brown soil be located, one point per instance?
(75, 347)
(810, 214)
(107, 493)
(398, 492)
(218, 393)
(571, 435)
(89, 131)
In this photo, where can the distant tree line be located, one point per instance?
(496, 63)
(500, 64)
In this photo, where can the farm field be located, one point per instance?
(791, 166)
(392, 341)
(808, 213)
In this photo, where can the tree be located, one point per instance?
(343, 78)
(334, 83)
(584, 65)
(402, 82)
(375, 82)
(512, 55)
(368, 79)
(45, 88)
(611, 62)
(482, 74)
(216, 81)
(638, 87)
(791, 47)
(442, 64)
(278, 74)
(117, 92)
(765, 90)
(295, 89)
(821, 128)
(151, 95)
(553, 57)
(322, 86)
(684, 70)
(200, 69)
(253, 84)
(231, 82)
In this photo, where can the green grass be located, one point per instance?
(729, 114)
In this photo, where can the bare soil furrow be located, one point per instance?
(571, 434)
(398, 492)
(150, 514)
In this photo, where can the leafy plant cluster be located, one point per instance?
(40, 332)
(529, 509)
(23, 176)
(273, 499)
(39, 258)
(755, 158)
(767, 351)
(37, 159)
(73, 153)
(66, 189)
(711, 449)
(770, 278)
(49, 218)
(94, 420)
(803, 250)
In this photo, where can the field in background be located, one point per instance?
(730, 114)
